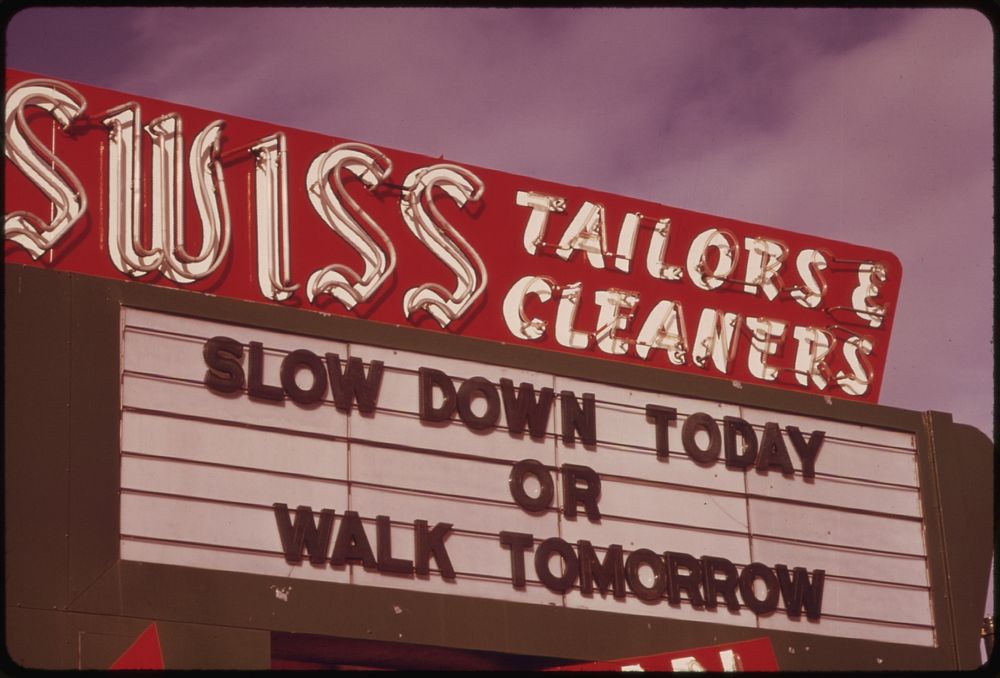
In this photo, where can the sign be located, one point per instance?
(132, 188)
(749, 655)
(144, 653)
(251, 450)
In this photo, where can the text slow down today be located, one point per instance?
(650, 575)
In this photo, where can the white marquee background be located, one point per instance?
(200, 473)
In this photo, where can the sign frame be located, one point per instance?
(63, 478)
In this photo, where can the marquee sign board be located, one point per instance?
(131, 188)
(463, 495)
(250, 450)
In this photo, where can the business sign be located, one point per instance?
(109, 184)
(747, 655)
(252, 450)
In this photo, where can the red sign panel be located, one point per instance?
(114, 185)
(144, 653)
(747, 655)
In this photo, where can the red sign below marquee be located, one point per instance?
(127, 187)
(144, 653)
(747, 655)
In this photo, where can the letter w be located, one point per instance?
(794, 591)
(523, 408)
(304, 533)
(354, 385)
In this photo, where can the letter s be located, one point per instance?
(433, 230)
(224, 357)
(29, 155)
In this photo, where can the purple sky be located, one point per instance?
(869, 126)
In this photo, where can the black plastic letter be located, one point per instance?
(352, 384)
(577, 419)
(689, 582)
(731, 427)
(799, 590)
(524, 408)
(429, 378)
(467, 392)
(609, 574)
(759, 571)
(531, 467)
(715, 587)
(661, 416)
(352, 543)
(773, 452)
(518, 543)
(312, 362)
(637, 559)
(383, 545)
(429, 543)
(304, 533)
(807, 451)
(571, 568)
(573, 494)
(256, 388)
(224, 356)
(705, 422)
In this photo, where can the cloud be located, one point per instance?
(887, 145)
(869, 126)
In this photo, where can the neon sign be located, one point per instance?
(287, 217)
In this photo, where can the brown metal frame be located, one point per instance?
(72, 603)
